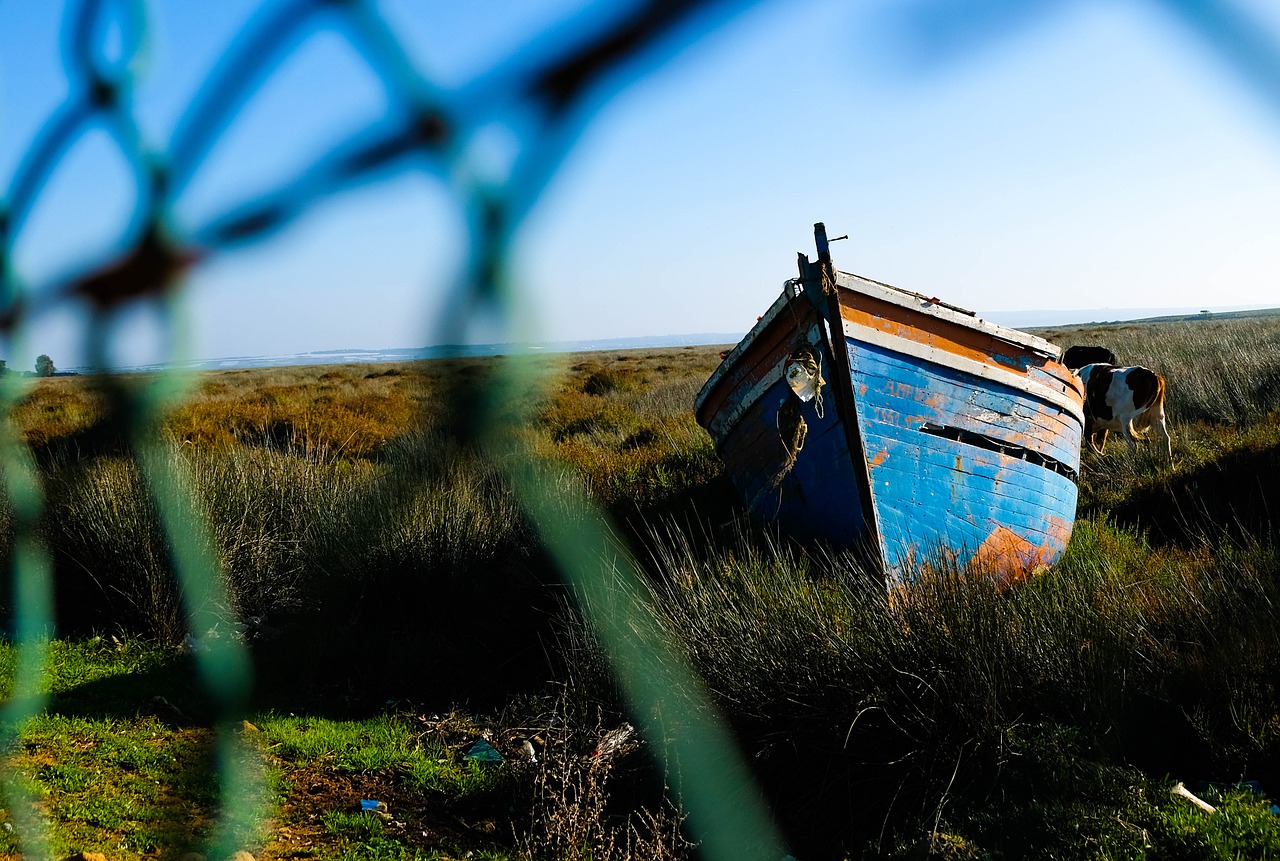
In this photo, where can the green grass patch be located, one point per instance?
(125, 788)
(395, 744)
(1057, 797)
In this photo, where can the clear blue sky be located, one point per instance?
(1012, 156)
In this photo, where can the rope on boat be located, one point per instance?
(829, 285)
(803, 374)
(792, 430)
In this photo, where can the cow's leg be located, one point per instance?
(1164, 432)
(1155, 418)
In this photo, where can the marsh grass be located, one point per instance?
(570, 789)
(863, 709)
(353, 513)
(1058, 798)
(625, 423)
(392, 743)
(337, 411)
(109, 765)
(123, 762)
(55, 409)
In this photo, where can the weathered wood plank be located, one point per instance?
(909, 395)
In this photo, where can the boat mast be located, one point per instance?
(824, 250)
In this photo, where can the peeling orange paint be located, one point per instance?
(880, 457)
(1059, 529)
(1007, 556)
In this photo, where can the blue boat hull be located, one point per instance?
(935, 495)
(924, 435)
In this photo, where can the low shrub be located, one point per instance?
(1159, 657)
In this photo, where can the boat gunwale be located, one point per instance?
(731, 358)
(916, 302)
(725, 422)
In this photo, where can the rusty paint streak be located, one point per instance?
(1008, 556)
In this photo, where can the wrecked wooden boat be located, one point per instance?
(872, 417)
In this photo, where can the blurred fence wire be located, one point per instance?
(544, 93)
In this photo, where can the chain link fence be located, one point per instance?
(545, 92)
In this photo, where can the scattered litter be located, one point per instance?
(804, 375)
(1253, 786)
(252, 628)
(203, 645)
(482, 751)
(369, 805)
(614, 740)
(529, 753)
(1182, 792)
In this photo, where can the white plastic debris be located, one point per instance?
(1182, 792)
(802, 380)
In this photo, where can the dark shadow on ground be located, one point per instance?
(473, 639)
(1236, 497)
(171, 691)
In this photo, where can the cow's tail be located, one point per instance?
(1150, 414)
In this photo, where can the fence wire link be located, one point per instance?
(544, 93)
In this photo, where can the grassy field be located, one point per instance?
(400, 608)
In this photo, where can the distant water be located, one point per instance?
(1014, 319)
(409, 354)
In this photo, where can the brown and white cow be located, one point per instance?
(1129, 401)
